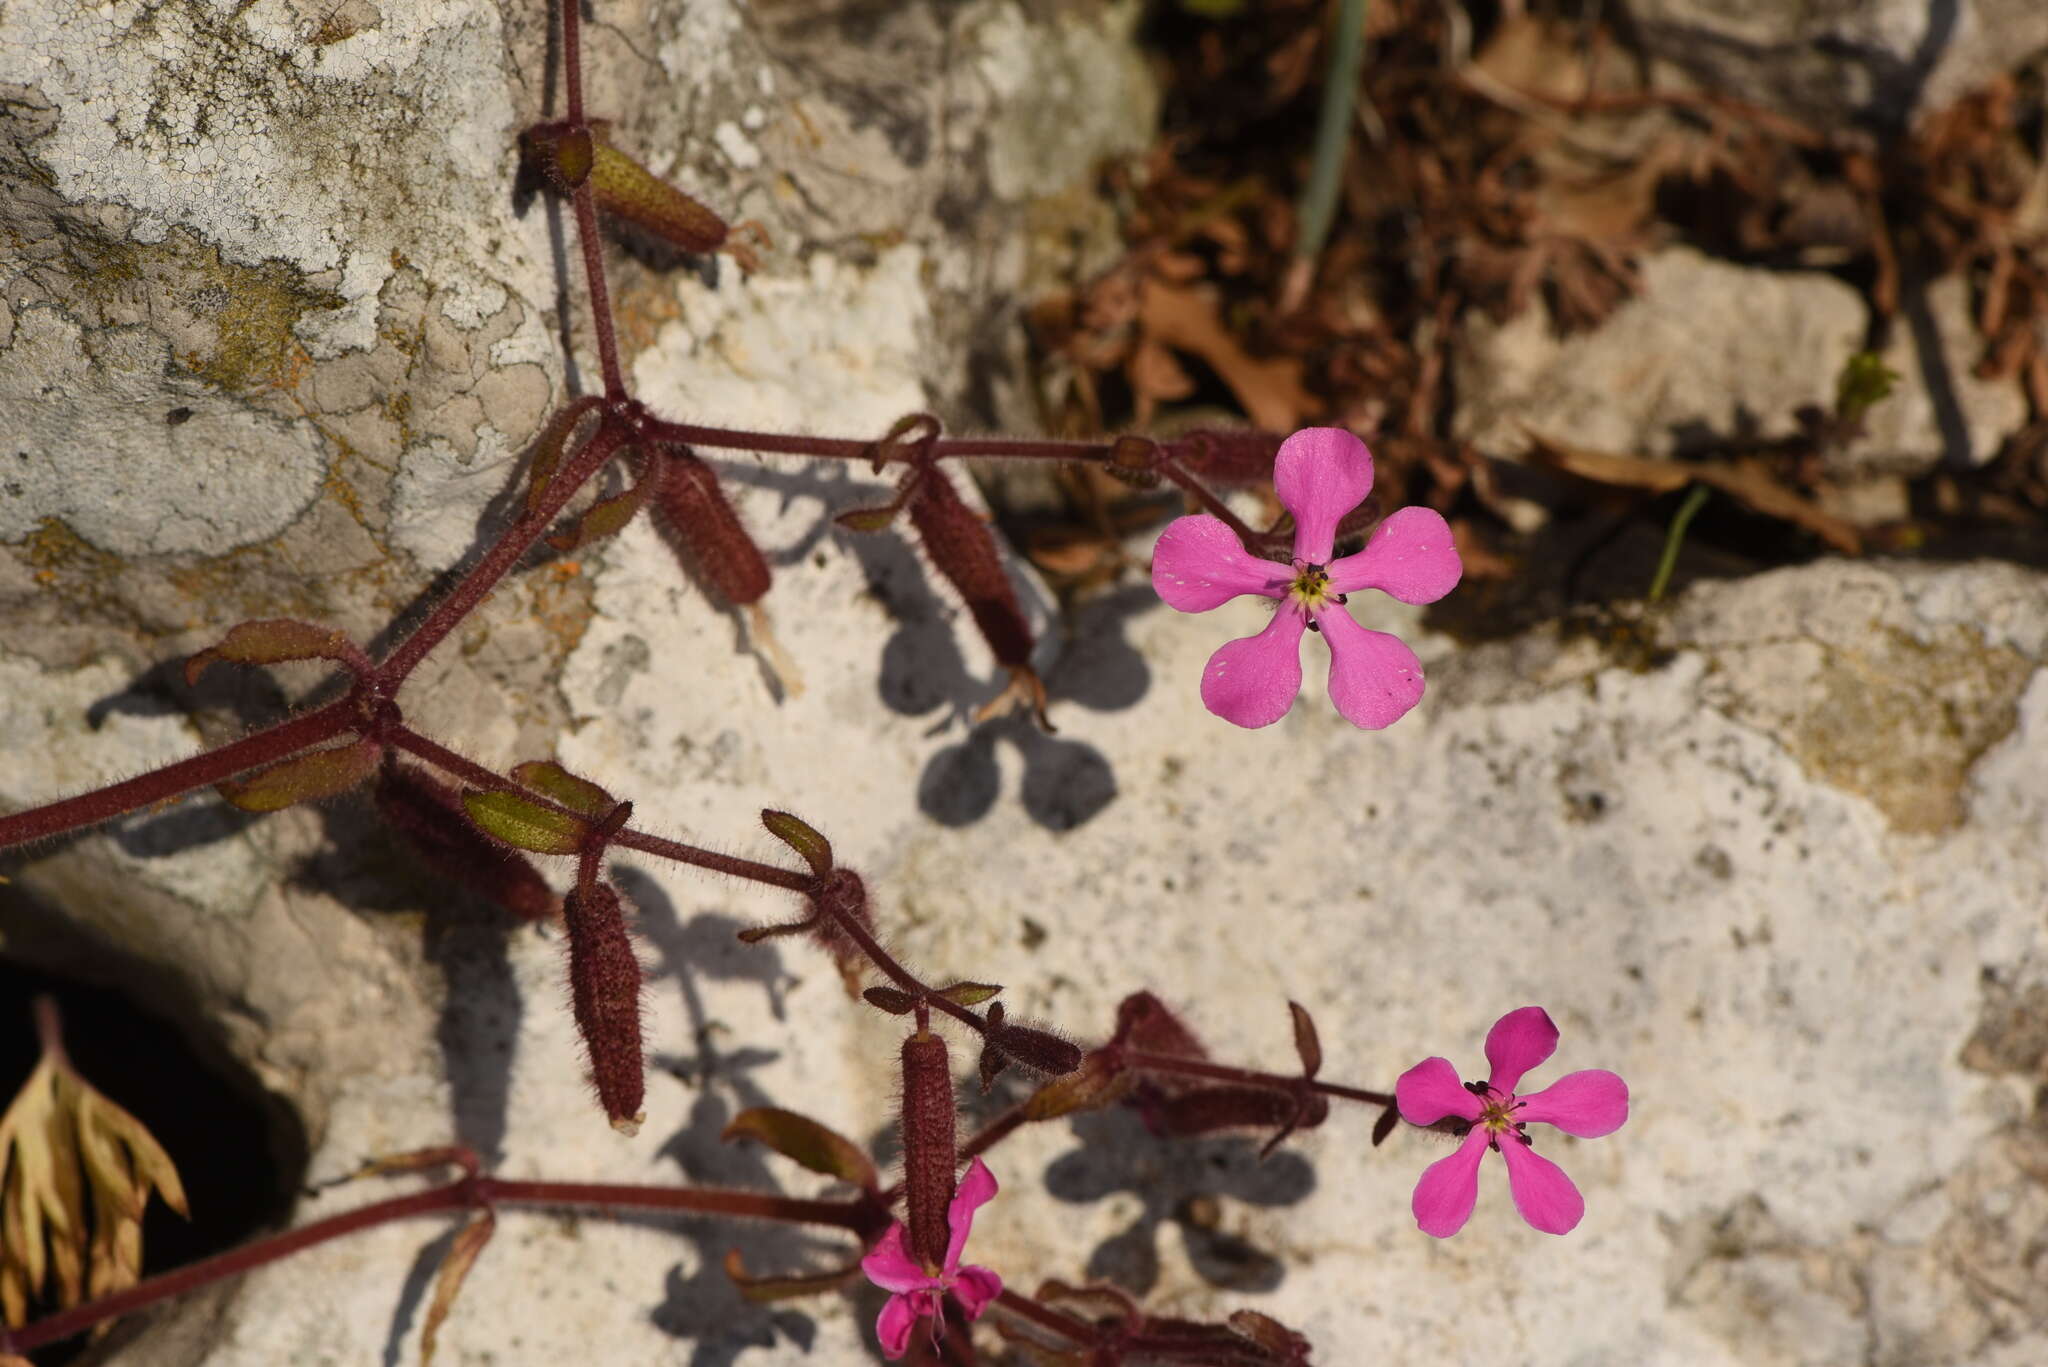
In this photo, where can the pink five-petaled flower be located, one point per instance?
(1321, 474)
(1587, 1104)
(917, 1290)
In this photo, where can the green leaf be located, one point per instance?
(1865, 381)
(969, 994)
(551, 780)
(524, 824)
(815, 848)
(304, 778)
(869, 519)
(271, 641)
(804, 1140)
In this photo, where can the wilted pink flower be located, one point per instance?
(1587, 1104)
(918, 1290)
(1321, 474)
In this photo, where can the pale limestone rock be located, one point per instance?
(1881, 61)
(1706, 352)
(1717, 888)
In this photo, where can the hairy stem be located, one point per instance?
(502, 556)
(465, 1193)
(175, 780)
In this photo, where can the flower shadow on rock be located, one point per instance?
(1066, 783)
(1175, 1179)
(704, 1305)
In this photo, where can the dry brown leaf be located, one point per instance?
(60, 1140)
(1185, 319)
(1746, 481)
(448, 1284)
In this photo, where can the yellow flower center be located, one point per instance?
(1311, 588)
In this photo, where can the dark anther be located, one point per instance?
(1343, 598)
(1312, 625)
(1476, 1088)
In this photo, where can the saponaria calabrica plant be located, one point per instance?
(76, 1171)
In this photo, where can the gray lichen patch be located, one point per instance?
(203, 474)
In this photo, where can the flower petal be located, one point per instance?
(1518, 1042)
(1254, 680)
(1411, 556)
(1450, 1188)
(894, 1324)
(974, 1288)
(1588, 1104)
(977, 1188)
(1430, 1091)
(1374, 678)
(1320, 474)
(891, 1267)
(1544, 1195)
(1199, 564)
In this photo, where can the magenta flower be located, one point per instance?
(1321, 474)
(918, 1290)
(1587, 1104)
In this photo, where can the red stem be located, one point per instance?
(499, 560)
(845, 448)
(572, 58)
(159, 785)
(1210, 503)
(712, 860)
(469, 771)
(464, 1193)
(600, 296)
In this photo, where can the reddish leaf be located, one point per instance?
(272, 641)
(1305, 1042)
(803, 1140)
(448, 1284)
(304, 778)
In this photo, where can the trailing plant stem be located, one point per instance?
(465, 1193)
(161, 785)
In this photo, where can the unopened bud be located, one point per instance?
(1041, 1051)
(604, 989)
(1207, 1109)
(428, 814)
(959, 543)
(707, 531)
(930, 1154)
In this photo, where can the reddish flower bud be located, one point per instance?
(1146, 1023)
(838, 894)
(959, 543)
(1040, 1051)
(604, 990)
(707, 531)
(930, 1155)
(428, 815)
(1206, 1109)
